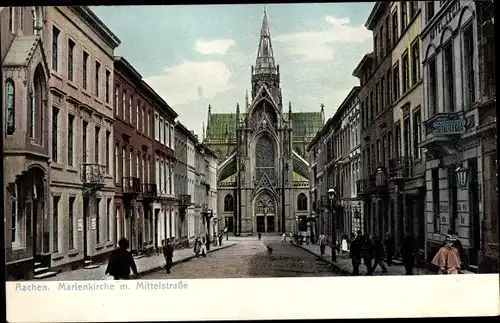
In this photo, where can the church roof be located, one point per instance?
(219, 122)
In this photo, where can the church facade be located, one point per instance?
(263, 175)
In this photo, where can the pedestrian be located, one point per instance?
(260, 235)
(355, 252)
(121, 261)
(307, 238)
(344, 247)
(203, 247)
(366, 252)
(207, 241)
(283, 237)
(322, 243)
(168, 253)
(389, 247)
(378, 255)
(448, 258)
(220, 239)
(196, 249)
(408, 253)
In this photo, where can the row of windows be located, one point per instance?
(82, 58)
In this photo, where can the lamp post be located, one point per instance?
(331, 195)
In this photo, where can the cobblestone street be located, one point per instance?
(249, 258)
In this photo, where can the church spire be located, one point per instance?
(247, 104)
(265, 56)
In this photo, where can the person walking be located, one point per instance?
(283, 237)
(447, 258)
(366, 252)
(220, 239)
(378, 255)
(389, 248)
(344, 246)
(168, 253)
(355, 252)
(260, 235)
(322, 243)
(227, 233)
(408, 253)
(121, 261)
(197, 246)
(203, 247)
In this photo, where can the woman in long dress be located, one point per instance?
(203, 247)
(448, 258)
(344, 246)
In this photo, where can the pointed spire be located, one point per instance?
(203, 131)
(247, 103)
(322, 114)
(265, 56)
(209, 117)
(290, 107)
(237, 108)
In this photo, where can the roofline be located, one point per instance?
(318, 135)
(364, 60)
(371, 21)
(156, 96)
(95, 23)
(354, 91)
(185, 130)
(207, 149)
(128, 66)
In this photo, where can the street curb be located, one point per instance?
(150, 270)
(336, 268)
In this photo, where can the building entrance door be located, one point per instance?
(261, 223)
(270, 223)
(229, 224)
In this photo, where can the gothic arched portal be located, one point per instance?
(265, 213)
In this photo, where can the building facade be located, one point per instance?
(181, 187)
(406, 168)
(450, 66)
(375, 73)
(194, 209)
(254, 143)
(487, 131)
(25, 75)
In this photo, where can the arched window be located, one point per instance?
(264, 157)
(228, 203)
(10, 107)
(302, 202)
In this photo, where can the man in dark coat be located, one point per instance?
(121, 261)
(367, 253)
(355, 253)
(408, 253)
(168, 253)
(220, 239)
(389, 247)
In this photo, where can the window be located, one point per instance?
(137, 118)
(395, 84)
(162, 130)
(107, 156)
(378, 108)
(395, 30)
(145, 179)
(157, 127)
(10, 104)
(117, 95)
(435, 199)
(123, 165)
(71, 223)
(85, 71)
(117, 150)
(449, 89)
(97, 72)
(302, 202)
(397, 140)
(71, 49)
(417, 133)
(84, 140)
(144, 120)
(228, 203)
(124, 106)
(15, 216)
(388, 87)
(137, 164)
(108, 81)
(130, 168)
(96, 144)
(430, 10)
(165, 133)
(97, 221)
(55, 47)
(372, 112)
(148, 124)
(55, 223)
(432, 90)
(12, 19)
(376, 48)
(406, 72)
(404, 15)
(130, 109)
(55, 134)
(382, 47)
(407, 137)
(382, 93)
(108, 220)
(413, 8)
(415, 62)
(71, 120)
(468, 59)
(387, 33)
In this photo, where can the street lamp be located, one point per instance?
(461, 176)
(331, 195)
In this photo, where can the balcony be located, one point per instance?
(364, 187)
(380, 181)
(399, 169)
(131, 185)
(92, 176)
(149, 190)
(442, 130)
(184, 201)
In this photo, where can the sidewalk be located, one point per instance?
(344, 265)
(144, 265)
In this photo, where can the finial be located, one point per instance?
(322, 107)
(237, 108)
(289, 107)
(209, 108)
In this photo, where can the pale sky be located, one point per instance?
(194, 56)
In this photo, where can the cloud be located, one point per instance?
(191, 81)
(319, 45)
(217, 46)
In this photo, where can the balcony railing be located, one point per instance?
(184, 200)
(149, 190)
(364, 186)
(131, 185)
(300, 184)
(399, 167)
